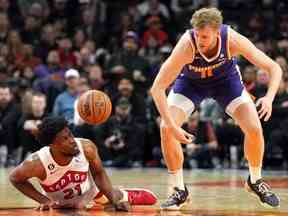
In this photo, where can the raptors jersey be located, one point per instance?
(71, 185)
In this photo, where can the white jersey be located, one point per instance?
(71, 185)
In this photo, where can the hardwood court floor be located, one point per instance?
(213, 193)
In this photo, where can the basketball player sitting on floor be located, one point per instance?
(70, 173)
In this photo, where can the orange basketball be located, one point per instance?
(94, 107)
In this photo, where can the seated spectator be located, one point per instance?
(152, 151)
(95, 77)
(15, 47)
(4, 28)
(84, 58)
(31, 31)
(129, 63)
(201, 152)
(154, 36)
(153, 40)
(27, 125)
(262, 82)
(93, 28)
(47, 42)
(67, 57)
(9, 115)
(122, 137)
(153, 7)
(25, 6)
(27, 59)
(276, 130)
(64, 103)
(126, 90)
(51, 68)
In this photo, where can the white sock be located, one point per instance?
(125, 196)
(255, 174)
(175, 179)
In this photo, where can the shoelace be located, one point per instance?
(264, 188)
(176, 194)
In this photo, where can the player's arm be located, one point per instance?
(100, 176)
(182, 54)
(20, 176)
(240, 45)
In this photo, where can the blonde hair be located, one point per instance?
(207, 16)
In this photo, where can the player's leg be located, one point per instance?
(247, 117)
(135, 196)
(180, 108)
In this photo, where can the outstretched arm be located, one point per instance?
(240, 45)
(182, 54)
(20, 176)
(101, 178)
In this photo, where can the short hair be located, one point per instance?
(4, 85)
(38, 94)
(207, 17)
(49, 128)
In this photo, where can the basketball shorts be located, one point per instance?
(229, 93)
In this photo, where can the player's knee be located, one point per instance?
(254, 130)
(164, 129)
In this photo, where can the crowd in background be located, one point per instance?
(52, 51)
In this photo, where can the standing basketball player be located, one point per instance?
(68, 171)
(203, 64)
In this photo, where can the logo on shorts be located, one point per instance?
(51, 166)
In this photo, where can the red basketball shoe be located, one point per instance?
(141, 196)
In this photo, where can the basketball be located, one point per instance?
(94, 107)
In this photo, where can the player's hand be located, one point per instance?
(123, 206)
(264, 106)
(182, 136)
(48, 205)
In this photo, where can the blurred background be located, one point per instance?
(52, 51)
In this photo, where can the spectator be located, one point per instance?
(120, 30)
(249, 77)
(276, 130)
(126, 90)
(64, 104)
(67, 58)
(154, 36)
(27, 59)
(201, 152)
(4, 28)
(31, 31)
(27, 125)
(47, 42)
(121, 132)
(153, 7)
(9, 115)
(130, 63)
(84, 59)
(94, 30)
(79, 39)
(52, 68)
(95, 76)
(153, 39)
(15, 45)
(262, 82)
(25, 6)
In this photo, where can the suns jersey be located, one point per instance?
(203, 70)
(71, 185)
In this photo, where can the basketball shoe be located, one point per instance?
(140, 196)
(176, 200)
(263, 191)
